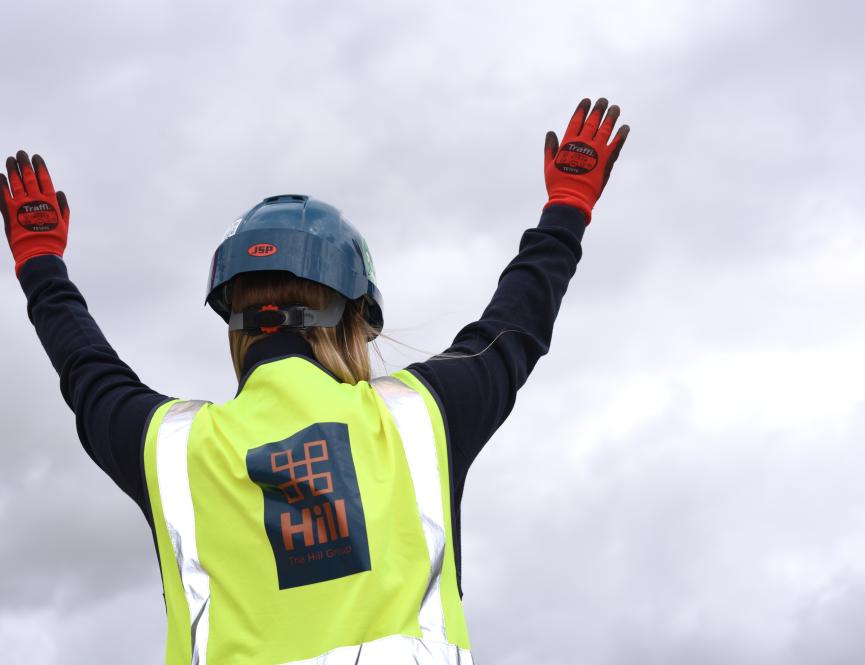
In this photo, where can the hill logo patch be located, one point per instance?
(313, 515)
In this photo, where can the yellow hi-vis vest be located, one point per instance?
(306, 521)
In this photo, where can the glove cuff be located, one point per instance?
(19, 263)
(579, 204)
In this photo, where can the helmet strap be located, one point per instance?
(270, 318)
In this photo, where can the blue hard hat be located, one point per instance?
(302, 236)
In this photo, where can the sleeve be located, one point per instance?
(478, 392)
(111, 405)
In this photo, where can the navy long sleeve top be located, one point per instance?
(476, 393)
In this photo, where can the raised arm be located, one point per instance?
(478, 392)
(111, 405)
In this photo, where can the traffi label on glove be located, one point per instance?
(576, 158)
(38, 216)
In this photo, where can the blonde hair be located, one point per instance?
(342, 350)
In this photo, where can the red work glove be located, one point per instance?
(577, 172)
(36, 218)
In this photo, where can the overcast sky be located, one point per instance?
(692, 448)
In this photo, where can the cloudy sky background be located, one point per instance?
(696, 433)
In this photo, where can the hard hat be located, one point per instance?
(305, 237)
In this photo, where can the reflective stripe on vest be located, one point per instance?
(413, 423)
(393, 650)
(171, 470)
(412, 420)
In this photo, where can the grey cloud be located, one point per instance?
(669, 540)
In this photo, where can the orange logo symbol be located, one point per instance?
(261, 249)
(318, 483)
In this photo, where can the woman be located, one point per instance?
(314, 518)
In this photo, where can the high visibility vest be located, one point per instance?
(306, 521)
